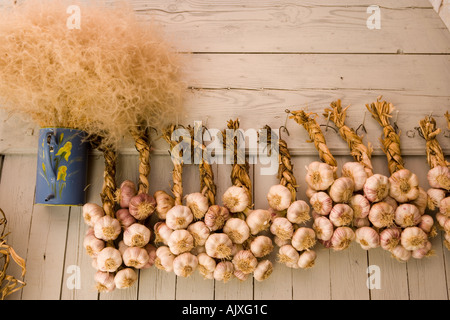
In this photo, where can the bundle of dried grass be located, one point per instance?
(109, 77)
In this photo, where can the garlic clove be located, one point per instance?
(135, 257)
(413, 238)
(237, 230)
(263, 270)
(282, 228)
(261, 246)
(421, 253)
(342, 238)
(104, 281)
(198, 204)
(91, 213)
(200, 232)
(382, 215)
(426, 223)
(342, 190)
(298, 212)
(390, 238)
(444, 207)
(258, 220)
(206, 265)
(180, 241)
(164, 202)
(245, 261)
(142, 206)
(125, 278)
(376, 187)
(288, 255)
(151, 251)
(434, 198)
(319, 175)
(307, 259)
(303, 239)
(367, 237)
(164, 259)
(109, 259)
(407, 215)
(224, 271)
(126, 192)
(125, 218)
(360, 206)
(400, 253)
(179, 217)
(216, 216)
(93, 245)
(219, 246)
(439, 177)
(236, 199)
(240, 275)
(404, 186)
(422, 201)
(185, 264)
(279, 197)
(162, 232)
(321, 203)
(441, 219)
(356, 172)
(136, 235)
(341, 215)
(324, 228)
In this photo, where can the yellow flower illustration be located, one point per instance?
(65, 150)
(62, 172)
(43, 167)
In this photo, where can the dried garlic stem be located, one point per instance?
(381, 111)
(359, 151)
(315, 134)
(142, 143)
(435, 155)
(177, 161)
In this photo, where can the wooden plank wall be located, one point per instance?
(251, 60)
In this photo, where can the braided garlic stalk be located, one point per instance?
(328, 195)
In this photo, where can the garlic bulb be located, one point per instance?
(162, 232)
(216, 216)
(185, 264)
(104, 281)
(444, 207)
(109, 259)
(93, 245)
(135, 257)
(263, 270)
(288, 255)
(282, 228)
(125, 218)
(391, 201)
(322, 203)
(439, 177)
(164, 259)
(151, 251)
(136, 235)
(200, 232)
(307, 259)
(421, 201)
(125, 278)
(224, 271)
(180, 241)
(122, 247)
(107, 228)
(91, 213)
(310, 192)
(127, 191)
(179, 217)
(426, 223)
(441, 219)
(198, 204)
(413, 238)
(341, 215)
(219, 246)
(360, 206)
(319, 175)
(280, 242)
(367, 237)
(376, 187)
(404, 186)
(197, 250)
(298, 212)
(279, 197)
(361, 222)
(240, 275)
(407, 215)
(401, 254)
(447, 226)
(303, 239)
(142, 206)
(382, 215)
(206, 265)
(434, 197)
(261, 246)
(390, 238)
(258, 220)
(423, 252)
(164, 202)
(237, 230)
(356, 172)
(342, 190)
(324, 228)
(245, 261)
(342, 238)
(236, 199)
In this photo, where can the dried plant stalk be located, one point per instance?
(207, 185)
(8, 283)
(142, 144)
(285, 166)
(177, 160)
(315, 134)
(381, 111)
(359, 151)
(447, 116)
(240, 168)
(435, 155)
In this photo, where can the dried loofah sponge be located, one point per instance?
(106, 78)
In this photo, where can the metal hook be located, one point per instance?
(411, 133)
(420, 132)
(327, 124)
(362, 125)
(395, 126)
